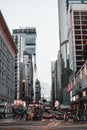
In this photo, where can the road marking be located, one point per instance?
(57, 123)
(52, 124)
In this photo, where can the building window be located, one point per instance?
(78, 47)
(77, 32)
(77, 27)
(76, 13)
(77, 37)
(78, 52)
(84, 37)
(76, 17)
(79, 63)
(84, 22)
(85, 42)
(83, 13)
(78, 57)
(84, 32)
(84, 27)
(76, 22)
(78, 42)
(84, 17)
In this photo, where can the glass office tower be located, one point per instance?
(25, 40)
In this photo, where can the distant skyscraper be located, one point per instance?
(59, 87)
(63, 40)
(37, 91)
(53, 80)
(63, 56)
(25, 40)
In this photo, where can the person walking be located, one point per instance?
(65, 117)
(21, 113)
(15, 113)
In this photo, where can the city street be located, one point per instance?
(10, 124)
(43, 65)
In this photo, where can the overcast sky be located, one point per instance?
(42, 14)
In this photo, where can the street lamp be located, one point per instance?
(23, 89)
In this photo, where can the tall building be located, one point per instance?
(66, 32)
(53, 84)
(59, 86)
(63, 58)
(25, 40)
(8, 51)
(77, 20)
(73, 39)
(37, 91)
(77, 35)
(63, 41)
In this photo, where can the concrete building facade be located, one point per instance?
(72, 34)
(78, 91)
(8, 51)
(77, 34)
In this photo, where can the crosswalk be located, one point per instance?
(52, 124)
(31, 124)
(39, 125)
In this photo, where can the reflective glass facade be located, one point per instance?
(25, 40)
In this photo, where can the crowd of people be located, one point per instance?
(22, 113)
(19, 112)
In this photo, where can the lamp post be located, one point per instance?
(23, 89)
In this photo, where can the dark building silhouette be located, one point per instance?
(37, 91)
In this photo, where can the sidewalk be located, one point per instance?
(7, 120)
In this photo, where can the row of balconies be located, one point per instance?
(79, 82)
(80, 86)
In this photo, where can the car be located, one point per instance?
(70, 115)
(59, 116)
(30, 114)
(47, 115)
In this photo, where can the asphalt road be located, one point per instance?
(10, 124)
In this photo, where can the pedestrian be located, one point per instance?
(65, 117)
(15, 113)
(21, 112)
